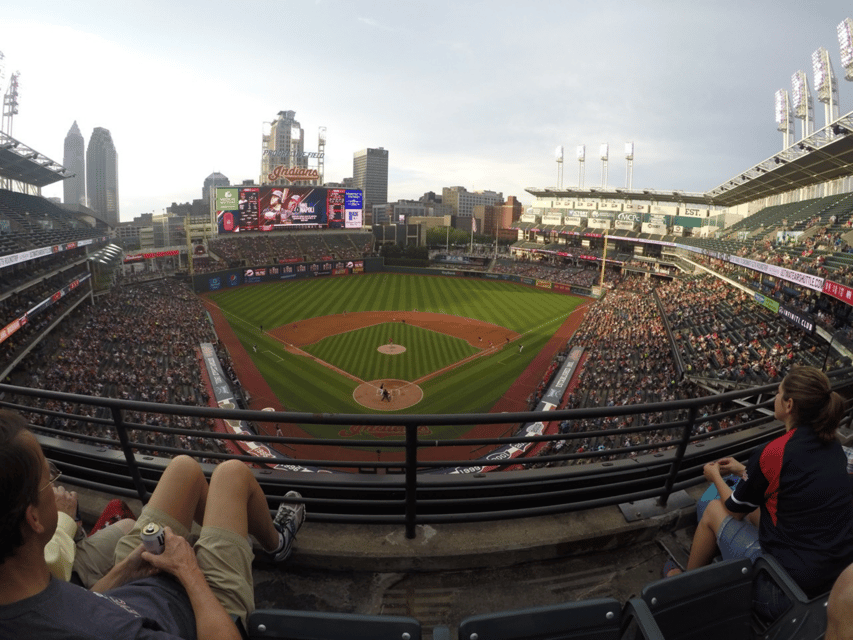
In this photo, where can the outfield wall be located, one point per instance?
(219, 280)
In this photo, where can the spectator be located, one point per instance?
(139, 598)
(800, 484)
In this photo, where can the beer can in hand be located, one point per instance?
(153, 538)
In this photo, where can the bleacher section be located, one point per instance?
(30, 222)
(273, 248)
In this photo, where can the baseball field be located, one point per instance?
(392, 342)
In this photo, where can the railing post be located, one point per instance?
(679, 456)
(411, 478)
(132, 467)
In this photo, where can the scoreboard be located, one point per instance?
(277, 208)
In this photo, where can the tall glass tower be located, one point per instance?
(102, 175)
(74, 159)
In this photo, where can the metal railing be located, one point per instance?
(408, 482)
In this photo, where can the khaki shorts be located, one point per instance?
(224, 556)
(95, 555)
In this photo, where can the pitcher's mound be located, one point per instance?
(400, 394)
(391, 349)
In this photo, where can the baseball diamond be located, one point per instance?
(320, 347)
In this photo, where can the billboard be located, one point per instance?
(276, 208)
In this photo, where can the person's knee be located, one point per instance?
(839, 611)
(231, 471)
(714, 514)
(125, 525)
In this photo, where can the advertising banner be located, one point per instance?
(804, 321)
(840, 291)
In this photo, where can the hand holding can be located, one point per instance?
(153, 538)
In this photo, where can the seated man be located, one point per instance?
(181, 593)
(70, 554)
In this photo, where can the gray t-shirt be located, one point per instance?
(155, 607)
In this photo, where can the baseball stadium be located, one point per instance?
(547, 403)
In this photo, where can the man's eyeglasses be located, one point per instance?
(54, 475)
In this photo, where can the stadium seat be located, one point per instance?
(586, 620)
(805, 620)
(286, 624)
(710, 602)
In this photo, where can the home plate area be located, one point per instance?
(388, 395)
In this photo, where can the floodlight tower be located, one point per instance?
(825, 85)
(321, 155)
(559, 156)
(604, 153)
(629, 169)
(581, 166)
(845, 41)
(802, 103)
(10, 104)
(784, 118)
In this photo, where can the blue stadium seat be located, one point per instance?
(710, 602)
(286, 624)
(585, 620)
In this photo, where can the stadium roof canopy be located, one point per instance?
(823, 156)
(19, 162)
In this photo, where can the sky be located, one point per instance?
(472, 93)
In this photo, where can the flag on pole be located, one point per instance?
(473, 224)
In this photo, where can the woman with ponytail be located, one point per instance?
(794, 499)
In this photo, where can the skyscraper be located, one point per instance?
(74, 159)
(370, 174)
(215, 179)
(102, 175)
(284, 146)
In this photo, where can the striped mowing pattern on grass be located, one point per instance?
(304, 385)
(356, 352)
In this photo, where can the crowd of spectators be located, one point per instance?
(137, 342)
(573, 275)
(629, 357)
(273, 248)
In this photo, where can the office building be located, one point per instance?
(283, 147)
(74, 159)
(462, 202)
(102, 176)
(215, 179)
(370, 174)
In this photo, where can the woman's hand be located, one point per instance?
(730, 466)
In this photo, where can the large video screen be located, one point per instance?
(278, 208)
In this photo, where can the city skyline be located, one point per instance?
(472, 94)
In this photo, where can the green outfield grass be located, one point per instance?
(357, 351)
(304, 385)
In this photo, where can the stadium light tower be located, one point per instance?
(604, 153)
(10, 104)
(802, 103)
(784, 118)
(845, 41)
(629, 169)
(825, 85)
(559, 156)
(581, 167)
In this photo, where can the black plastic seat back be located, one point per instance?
(703, 604)
(286, 624)
(585, 620)
(805, 620)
